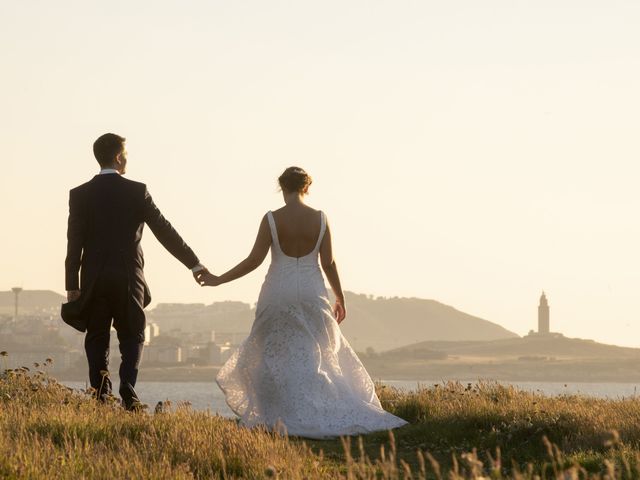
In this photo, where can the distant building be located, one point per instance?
(164, 354)
(543, 315)
(232, 338)
(214, 354)
(151, 331)
(544, 330)
(26, 356)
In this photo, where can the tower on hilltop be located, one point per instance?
(16, 292)
(543, 315)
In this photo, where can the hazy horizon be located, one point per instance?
(471, 154)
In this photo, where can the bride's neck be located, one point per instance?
(293, 199)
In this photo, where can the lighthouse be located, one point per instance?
(543, 315)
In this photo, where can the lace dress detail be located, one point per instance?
(296, 371)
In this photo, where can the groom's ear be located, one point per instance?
(121, 161)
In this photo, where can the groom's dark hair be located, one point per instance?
(107, 147)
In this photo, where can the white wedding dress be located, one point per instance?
(295, 369)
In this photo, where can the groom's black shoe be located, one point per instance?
(103, 392)
(130, 400)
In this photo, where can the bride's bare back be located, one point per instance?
(298, 227)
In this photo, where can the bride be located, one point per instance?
(295, 369)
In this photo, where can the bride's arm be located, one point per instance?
(249, 264)
(331, 271)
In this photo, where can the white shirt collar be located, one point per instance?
(105, 171)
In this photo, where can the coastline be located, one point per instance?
(552, 372)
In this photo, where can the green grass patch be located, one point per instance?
(456, 431)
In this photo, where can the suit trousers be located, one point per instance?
(112, 302)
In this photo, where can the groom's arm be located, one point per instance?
(167, 235)
(75, 241)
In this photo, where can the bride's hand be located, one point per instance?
(200, 273)
(339, 311)
(209, 280)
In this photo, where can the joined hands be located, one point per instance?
(209, 280)
(204, 278)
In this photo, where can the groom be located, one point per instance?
(106, 219)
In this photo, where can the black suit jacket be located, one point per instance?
(106, 219)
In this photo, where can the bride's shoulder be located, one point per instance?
(317, 213)
(273, 214)
(314, 211)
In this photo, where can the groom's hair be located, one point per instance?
(107, 147)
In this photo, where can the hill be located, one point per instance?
(221, 317)
(388, 323)
(378, 323)
(557, 346)
(531, 358)
(31, 301)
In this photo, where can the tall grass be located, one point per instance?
(531, 431)
(456, 431)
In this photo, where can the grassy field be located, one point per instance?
(456, 431)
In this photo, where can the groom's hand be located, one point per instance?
(198, 274)
(73, 295)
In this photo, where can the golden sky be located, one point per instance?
(470, 152)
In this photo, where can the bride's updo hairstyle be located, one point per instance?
(294, 179)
